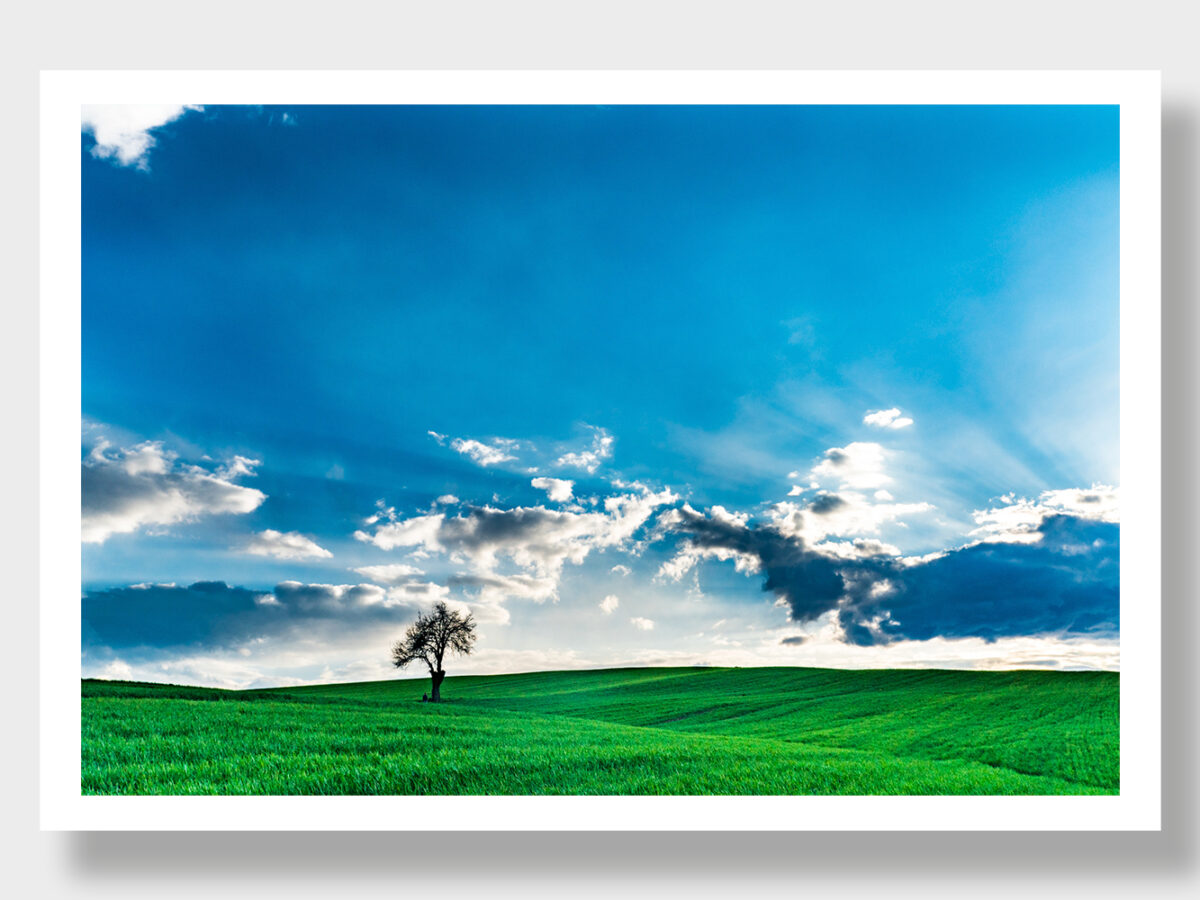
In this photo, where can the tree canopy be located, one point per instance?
(431, 637)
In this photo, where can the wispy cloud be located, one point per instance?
(392, 573)
(589, 460)
(496, 451)
(285, 545)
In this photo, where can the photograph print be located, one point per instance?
(603, 450)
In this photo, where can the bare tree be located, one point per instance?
(429, 639)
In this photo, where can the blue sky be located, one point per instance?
(831, 386)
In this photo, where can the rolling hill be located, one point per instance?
(616, 731)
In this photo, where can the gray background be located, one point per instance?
(920, 34)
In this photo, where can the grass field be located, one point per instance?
(616, 731)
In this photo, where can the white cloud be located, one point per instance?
(857, 465)
(842, 509)
(609, 603)
(125, 489)
(859, 548)
(394, 573)
(447, 500)
(536, 540)
(841, 514)
(117, 669)
(621, 569)
(1018, 520)
(404, 592)
(328, 598)
(485, 454)
(285, 545)
(559, 490)
(122, 133)
(680, 564)
(485, 612)
(887, 418)
(590, 459)
(415, 532)
(1100, 502)
(642, 624)
(335, 473)
(419, 593)
(231, 670)
(721, 514)
(494, 589)
(347, 599)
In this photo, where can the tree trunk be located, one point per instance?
(437, 686)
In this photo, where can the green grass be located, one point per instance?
(616, 731)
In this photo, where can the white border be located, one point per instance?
(1136, 808)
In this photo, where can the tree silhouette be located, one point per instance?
(429, 639)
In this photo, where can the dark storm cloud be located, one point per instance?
(212, 614)
(1065, 583)
(825, 503)
(809, 582)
